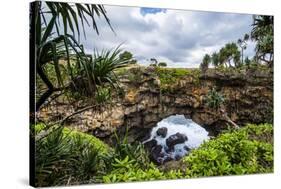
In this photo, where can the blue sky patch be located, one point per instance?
(145, 11)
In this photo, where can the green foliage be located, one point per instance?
(129, 162)
(135, 75)
(103, 65)
(127, 153)
(170, 76)
(162, 64)
(247, 61)
(131, 173)
(205, 63)
(68, 157)
(215, 59)
(99, 71)
(226, 57)
(228, 54)
(214, 99)
(262, 33)
(244, 151)
(103, 95)
(125, 56)
(51, 45)
(71, 157)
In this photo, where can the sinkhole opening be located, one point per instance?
(174, 137)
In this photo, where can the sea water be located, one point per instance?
(179, 124)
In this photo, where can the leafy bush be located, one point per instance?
(135, 173)
(170, 76)
(135, 75)
(71, 157)
(104, 64)
(214, 99)
(126, 55)
(162, 64)
(244, 151)
(129, 153)
(68, 157)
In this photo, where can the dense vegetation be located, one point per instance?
(170, 76)
(231, 56)
(69, 157)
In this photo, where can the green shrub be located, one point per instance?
(135, 173)
(104, 64)
(162, 64)
(170, 76)
(134, 154)
(103, 95)
(214, 99)
(66, 157)
(71, 157)
(244, 151)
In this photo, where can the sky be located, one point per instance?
(179, 38)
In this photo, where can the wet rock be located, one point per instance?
(168, 158)
(162, 132)
(174, 139)
(169, 149)
(186, 148)
(157, 155)
(177, 157)
(150, 144)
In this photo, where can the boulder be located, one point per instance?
(174, 139)
(150, 144)
(162, 132)
(186, 148)
(157, 155)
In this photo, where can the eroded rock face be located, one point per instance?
(248, 99)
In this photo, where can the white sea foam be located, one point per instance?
(179, 124)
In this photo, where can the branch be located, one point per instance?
(226, 118)
(51, 127)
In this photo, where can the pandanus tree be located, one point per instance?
(48, 44)
(243, 45)
(262, 33)
(229, 54)
(205, 63)
(215, 59)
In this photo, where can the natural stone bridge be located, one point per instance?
(248, 99)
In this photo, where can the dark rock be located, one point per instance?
(174, 139)
(168, 158)
(157, 155)
(150, 144)
(162, 132)
(186, 148)
(177, 157)
(170, 149)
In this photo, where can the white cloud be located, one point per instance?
(181, 38)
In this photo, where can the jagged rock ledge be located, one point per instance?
(248, 99)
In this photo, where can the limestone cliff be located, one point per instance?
(146, 100)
